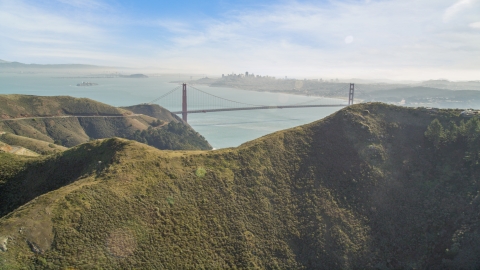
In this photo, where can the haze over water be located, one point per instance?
(221, 129)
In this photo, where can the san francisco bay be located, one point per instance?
(221, 129)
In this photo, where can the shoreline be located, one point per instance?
(278, 92)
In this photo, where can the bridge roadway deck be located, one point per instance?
(261, 108)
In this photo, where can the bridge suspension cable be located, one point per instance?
(166, 94)
(200, 101)
(237, 102)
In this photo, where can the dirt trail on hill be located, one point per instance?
(69, 116)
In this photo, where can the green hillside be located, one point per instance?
(69, 121)
(370, 187)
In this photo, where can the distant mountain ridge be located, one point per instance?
(421, 95)
(14, 65)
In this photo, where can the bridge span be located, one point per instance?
(260, 108)
(211, 103)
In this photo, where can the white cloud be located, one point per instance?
(76, 55)
(456, 8)
(170, 25)
(19, 20)
(475, 25)
(305, 39)
(90, 4)
(29, 30)
(336, 38)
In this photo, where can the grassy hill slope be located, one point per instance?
(14, 106)
(155, 111)
(37, 146)
(363, 188)
(5, 147)
(71, 121)
(16, 150)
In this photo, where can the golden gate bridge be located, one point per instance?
(198, 101)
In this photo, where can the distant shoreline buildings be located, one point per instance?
(251, 75)
(246, 75)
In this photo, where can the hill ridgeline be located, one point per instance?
(370, 187)
(69, 121)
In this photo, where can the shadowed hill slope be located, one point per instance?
(71, 121)
(370, 186)
(35, 177)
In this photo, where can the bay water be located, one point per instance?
(221, 129)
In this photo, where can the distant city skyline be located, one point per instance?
(367, 39)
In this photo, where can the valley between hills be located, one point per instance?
(372, 186)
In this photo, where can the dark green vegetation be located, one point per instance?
(173, 134)
(371, 186)
(176, 132)
(71, 121)
(465, 135)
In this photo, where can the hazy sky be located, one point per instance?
(396, 39)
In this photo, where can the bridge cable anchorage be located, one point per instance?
(166, 94)
(242, 103)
